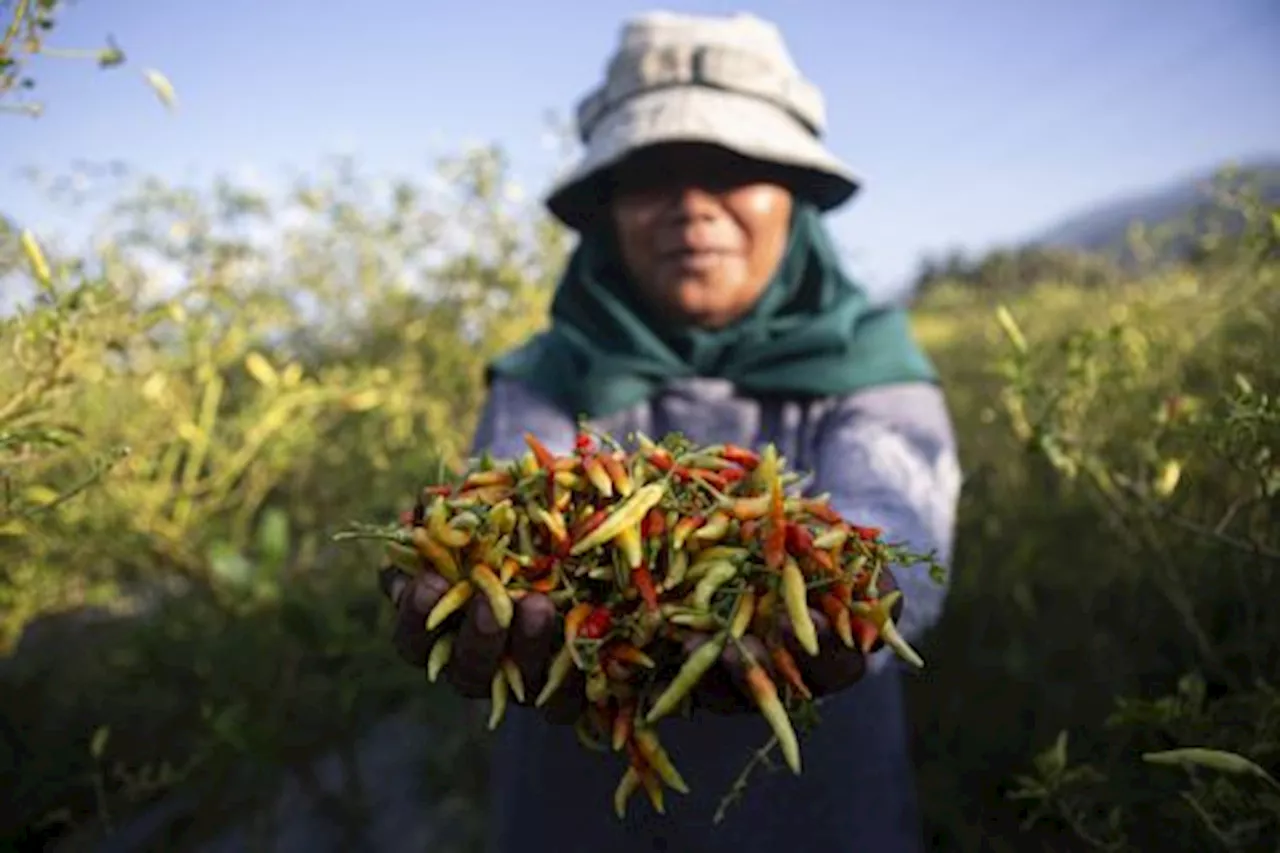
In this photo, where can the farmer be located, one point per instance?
(705, 297)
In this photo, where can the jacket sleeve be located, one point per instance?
(510, 410)
(888, 458)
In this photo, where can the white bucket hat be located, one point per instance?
(728, 81)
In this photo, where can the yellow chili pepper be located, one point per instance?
(510, 568)
(696, 666)
(499, 602)
(629, 514)
(631, 546)
(511, 673)
(480, 479)
(599, 476)
(559, 670)
(498, 699)
(552, 519)
(677, 568)
(441, 558)
(750, 509)
(742, 613)
(832, 539)
(622, 481)
(714, 530)
(765, 694)
(438, 527)
(627, 786)
(458, 595)
(653, 787)
(877, 612)
(794, 595)
(656, 756)
(716, 576)
(439, 657)
(683, 529)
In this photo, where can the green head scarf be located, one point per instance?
(813, 333)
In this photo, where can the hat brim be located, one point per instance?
(747, 126)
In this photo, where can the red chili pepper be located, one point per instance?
(712, 478)
(546, 460)
(775, 546)
(593, 521)
(746, 458)
(799, 540)
(732, 475)
(654, 524)
(596, 624)
(822, 511)
(541, 566)
(643, 580)
(661, 460)
(584, 444)
(867, 534)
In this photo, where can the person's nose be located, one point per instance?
(691, 202)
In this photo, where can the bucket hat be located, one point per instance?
(724, 80)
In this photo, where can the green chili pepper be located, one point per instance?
(717, 575)
(687, 678)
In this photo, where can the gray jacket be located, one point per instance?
(887, 456)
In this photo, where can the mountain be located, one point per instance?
(1103, 228)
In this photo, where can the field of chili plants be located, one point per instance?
(192, 406)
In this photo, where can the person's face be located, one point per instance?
(701, 230)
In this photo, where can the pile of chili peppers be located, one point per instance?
(639, 550)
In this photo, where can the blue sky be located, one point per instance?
(971, 121)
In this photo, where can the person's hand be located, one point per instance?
(836, 666)
(481, 643)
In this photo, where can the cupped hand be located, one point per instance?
(481, 643)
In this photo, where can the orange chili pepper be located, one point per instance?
(573, 620)
(746, 458)
(628, 653)
(545, 458)
(865, 634)
(838, 615)
(623, 725)
(765, 694)
(750, 509)
(821, 510)
(684, 529)
(659, 458)
(787, 667)
(643, 579)
(618, 474)
(598, 475)
(654, 524)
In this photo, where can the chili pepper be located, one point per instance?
(622, 482)
(653, 787)
(775, 545)
(510, 568)
(557, 673)
(691, 672)
(627, 786)
(597, 623)
(794, 596)
(552, 520)
(598, 476)
(597, 686)
(643, 580)
(831, 539)
(478, 479)
(631, 546)
(715, 528)
(800, 540)
(441, 651)
(654, 524)
(866, 534)
(515, 680)
(748, 530)
(821, 510)
(584, 444)
(750, 509)
(574, 618)
(622, 721)
(498, 698)
(659, 458)
(685, 528)
(589, 524)
(567, 480)
(742, 613)
(697, 620)
(731, 475)
(440, 558)
(627, 653)
(545, 458)
(717, 576)
(405, 558)
(499, 602)
(656, 757)
(865, 634)
(628, 514)
(711, 478)
(458, 595)
(677, 568)
(740, 455)
(785, 663)
(765, 694)
(878, 612)
(503, 517)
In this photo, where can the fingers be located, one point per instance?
(414, 598)
(477, 651)
(835, 667)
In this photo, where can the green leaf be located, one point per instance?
(1213, 759)
(273, 536)
(1053, 761)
